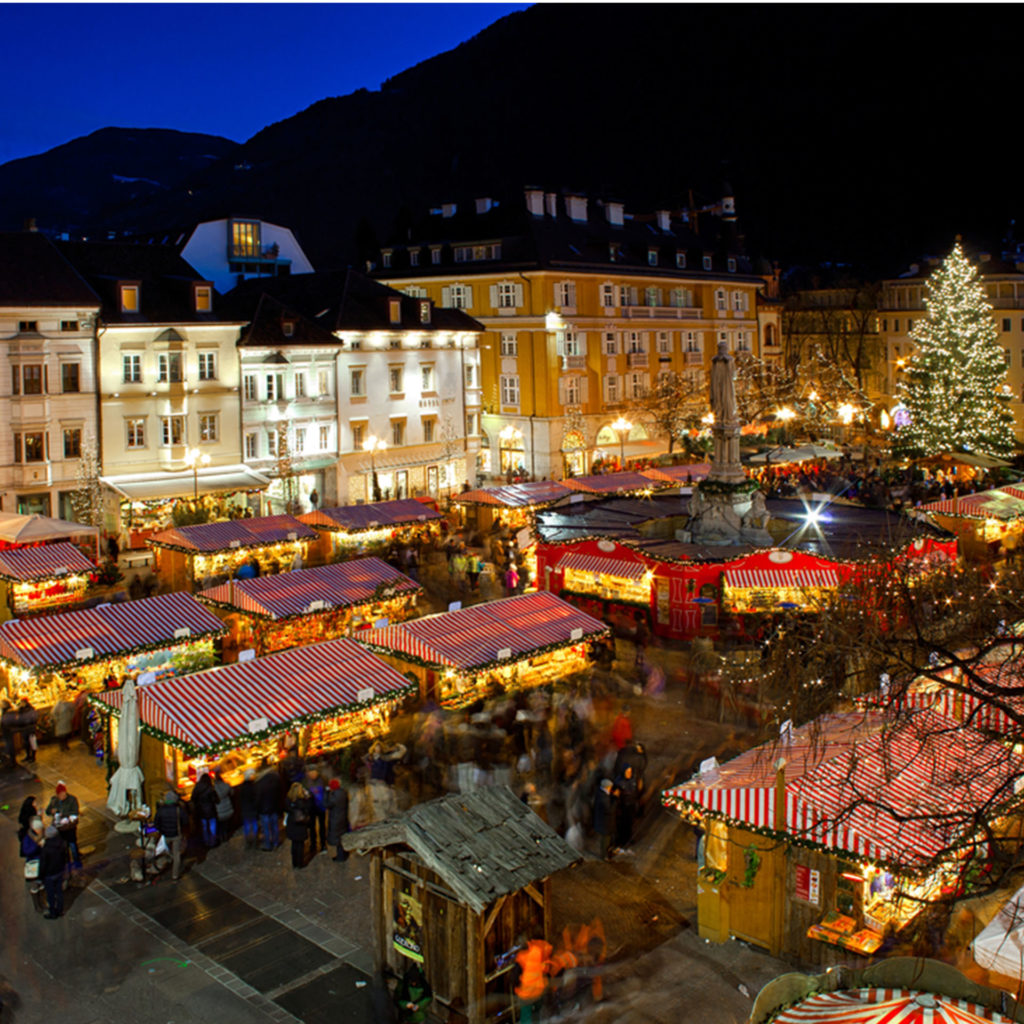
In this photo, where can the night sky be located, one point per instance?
(223, 69)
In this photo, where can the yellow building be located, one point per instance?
(584, 306)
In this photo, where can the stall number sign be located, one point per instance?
(808, 885)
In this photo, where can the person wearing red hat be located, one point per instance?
(64, 808)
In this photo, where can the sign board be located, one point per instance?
(182, 632)
(61, 570)
(454, 606)
(315, 606)
(504, 654)
(575, 497)
(235, 544)
(292, 535)
(708, 770)
(145, 679)
(364, 694)
(382, 624)
(84, 653)
(576, 634)
(258, 725)
(808, 884)
(247, 655)
(372, 524)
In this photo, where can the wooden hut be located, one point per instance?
(454, 884)
(48, 578)
(352, 530)
(511, 505)
(988, 524)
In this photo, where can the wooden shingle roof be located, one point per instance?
(483, 845)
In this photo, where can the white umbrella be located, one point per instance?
(128, 777)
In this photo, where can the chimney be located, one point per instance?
(551, 204)
(449, 209)
(576, 207)
(483, 205)
(664, 220)
(614, 213)
(535, 201)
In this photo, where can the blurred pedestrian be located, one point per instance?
(9, 729)
(53, 859)
(622, 728)
(318, 822)
(63, 715)
(64, 809)
(171, 820)
(204, 806)
(247, 796)
(336, 802)
(268, 805)
(298, 812)
(225, 806)
(27, 719)
(604, 810)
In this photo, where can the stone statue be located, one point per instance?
(723, 387)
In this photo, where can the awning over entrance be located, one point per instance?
(182, 484)
(773, 579)
(604, 566)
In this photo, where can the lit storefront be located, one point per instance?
(511, 505)
(988, 524)
(351, 530)
(48, 578)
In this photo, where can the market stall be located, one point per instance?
(624, 482)
(314, 699)
(461, 926)
(193, 557)
(21, 530)
(461, 656)
(273, 613)
(988, 524)
(510, 505)
(44, 658)
(678, 476)
(47, 578)
(796, 860)
(348, 531)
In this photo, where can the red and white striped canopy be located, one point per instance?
(26, 565)
(612, 483)
(289, 594)
(887, 1006)
(107, 631)
(209, 538)
(620, 567)
(225, 705)
(770, 579)
(473, 637)
(1000, 503)
(677, 474)
(533, 492)
(379, 515)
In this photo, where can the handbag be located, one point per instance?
(32, 868)
(161, 847)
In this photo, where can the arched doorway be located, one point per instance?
(574, 454)
(511, 450)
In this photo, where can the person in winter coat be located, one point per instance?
(64, 808)
(629, 805)
(473, 569)
(33, 839)
(604, 809)
(63, 716)
(336, 803)
(170, 821)
(28, 717)
(298, 813)
(268, 805)
(225, 807)
(9, 729)
(53, 858)
(318, 823)
(26, 813)
(204, 804)
(248, 808)
(413, 996)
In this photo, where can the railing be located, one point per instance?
(636, 358)
(1007, 302)
(661, 312)
(694, 357)
(574, 362)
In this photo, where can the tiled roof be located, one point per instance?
(34, 273)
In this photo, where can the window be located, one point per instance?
(207, 426)
(458, 296)
(288, 328)
(682, 297)
(571, 390)
(565, 293)
(385, 258)
(681, 260)
(611, 343)
(720, 302)
(27, 379)
(35, 446)
(251, 446)
(135, 432)
(169, 368)
(435, 256)
(506, 295)
(637, 384)
(204, 298)
(664, 343)
(323, 382)
(207, 365)
(249, 387)
(427, 378)
(28, 326)
(398, 433)
(395, 380)
(509, 344)
(1006, 323)
(129, 298)
(245, 239)
(300, 384)
(325, 438)
(131, 368)
(608, 294)
(730, 264)
(472, 424)
(470, 375)
(611, 389)
(272, 443)
(652, 257)
(72, 442)
(627, 295)
(69, 325)
(357, 383)
(652, 296)
(706, 262)
(395, 311)
(614, 251)
(885, 323)
(896, 324)
(691, 342)
(172, 430)
(510, 390)
(358, 434)
(635, 342)
(743, 341)
(275, 387)
(428, 431)
(414, 257)
(69, 378)
(300, 440)
(471, 253)
(424, 311)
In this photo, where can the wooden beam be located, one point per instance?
(489, 920)
(533, 894)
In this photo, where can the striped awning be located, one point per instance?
(678, 474)
(772, 579)
(107, 631)
(619, 567)
(612, 483)
(888, 1006)
(1003, 503)
(289, 594)
(227, 706)
(209, 538)
(475, 637)
(26, 565)
(378, 515)
(533, 492)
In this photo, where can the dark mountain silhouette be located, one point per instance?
(863, 133)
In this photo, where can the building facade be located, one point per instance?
(583, 307)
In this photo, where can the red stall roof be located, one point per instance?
(26, 565)
(769, 579)
(678, 474)
(241, 703)
(106, 631)
(613, 483)
(291, 593)
(379, 515)
(210, 538)
(1000, 503)
(888, 1006)
(621, 567)
(474, 637)
(533, 492)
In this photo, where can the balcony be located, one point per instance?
(636, 358)
(694, 358)
(661, 312)
(1006, 302)
(574, 362)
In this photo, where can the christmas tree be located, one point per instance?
(953, 388)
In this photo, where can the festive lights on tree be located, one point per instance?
(953, 386)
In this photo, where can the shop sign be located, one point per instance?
(84, 653)
(576, 634)
(454, 606)
(146, 678)
(258, 725)
(180, 634)
(247, 655)
(808, 884)
(382, 624)
(364, 694)
(504, 654)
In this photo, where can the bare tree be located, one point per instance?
(286, 469)
(87, 497)
(762, 388)
(673, 405)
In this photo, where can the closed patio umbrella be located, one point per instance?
(128, 777)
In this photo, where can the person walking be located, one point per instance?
(336, 802)
(604, 810)
(63, 716)
(64, 809)
(27, 719)
(318, 821)
(628, 806)
(268, 805)
(247, 796)
(298, 813)
(225, 807)
(53, 859)
(9, 729)
(474, 566)
(170, 820)
(204, 804)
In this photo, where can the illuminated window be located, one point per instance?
(325, 438)
(169, 368)
(510, 390)
(731, 264)
(72, 442)
(357, 379)
(395, 376)
(427, 378)
(207, 365)
(398, 432)
(207, 426)
(300, 439)
(131, 368)
(300, 385)
(272, 442)
(395, 311)
(172, 430)
(652, 257)
(358, 434)
(204, 298)
(245, 239)
(681, 260)
(323, 382)
(509, 344)
(428, 431)
(385, 258)
(706, 262)
(249, 386)
(251, 445)
(135, 432)
(424, 311)
(129, 298)
(414, 257)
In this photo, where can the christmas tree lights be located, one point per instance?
(953, 388)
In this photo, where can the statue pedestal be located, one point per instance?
(727, 511)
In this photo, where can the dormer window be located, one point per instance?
(245, 239)
(288, 328)
(129, 298)
(435, 255)
(731, 264)
(424, 311)
(681, 260)
(385, 258)
(395, 311)
(652, 257)
(614, 251)
(706, 262)
(203, 294)
(414, 257)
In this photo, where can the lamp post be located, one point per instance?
(195, 458)
(622, 427)
(374, 444)
(785, 415)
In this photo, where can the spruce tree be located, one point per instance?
(953, 383)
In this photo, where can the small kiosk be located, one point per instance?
(624, 482)
(38, 580)
(511, 505)
(461, 656)
(350, 530)
(167, 635)
(188, 556)
(454, 883)
(986, 524)
(273, 613)
(680, 475)
(313, 699)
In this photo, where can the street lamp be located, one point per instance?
(195, 458)
(374, 444)
(622, 427)
(785, 415)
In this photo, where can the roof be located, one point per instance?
(323, 587)
(535, 492)
(373, 516)
(34, 273)
(624, 568)
(678, 474)
(16, 528)
(1004, 503)
(483, 844)
(476, 637)
(232, 533)
(43, 563)
(266, 327)
(613, 483)
(241, 703)
(182, 483)
(106, 631)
